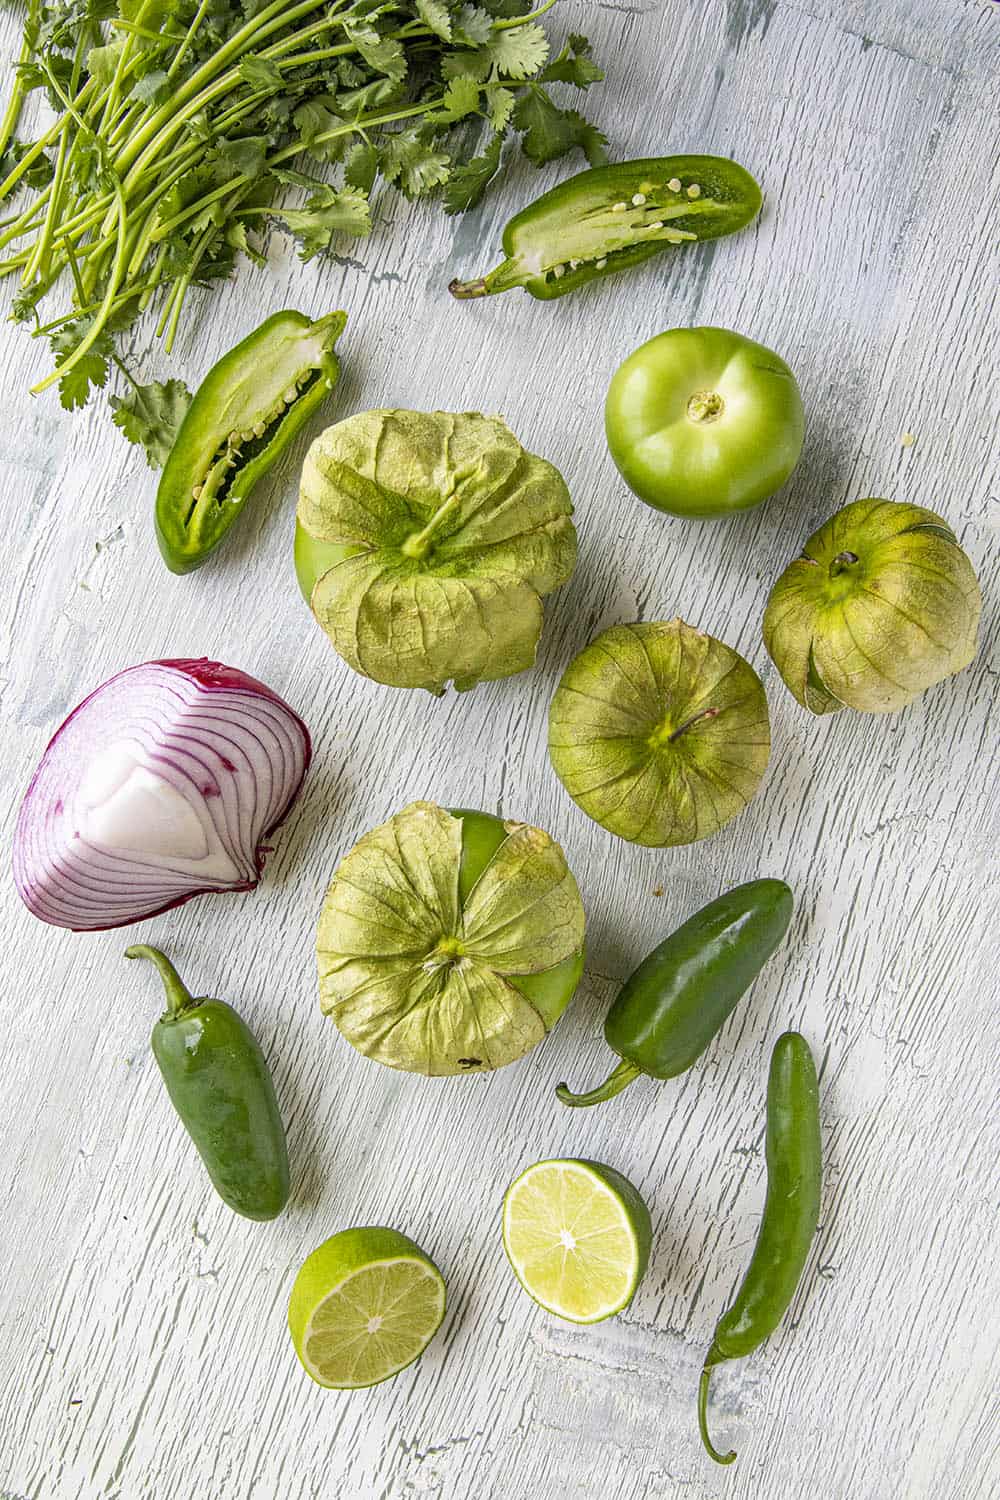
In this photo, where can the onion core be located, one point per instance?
(161, 785)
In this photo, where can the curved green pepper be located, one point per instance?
(608, 218)
(791, 1214)
(244, 415)
(670, 1008)
(220, 1085)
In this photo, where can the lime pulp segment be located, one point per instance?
(577, 1236)
(373, 1323)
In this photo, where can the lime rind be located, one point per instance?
(595, 1272)
(358, 1316)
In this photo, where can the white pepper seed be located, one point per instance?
(290, 395)
(618, 208)
(196, 492)
(694, 191)
(259, 429)
(558, 271)
(657, 224)
(600, 264)
(638, 199)
(674, 184)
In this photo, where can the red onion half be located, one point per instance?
(160, 786)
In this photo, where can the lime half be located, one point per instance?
(365, 1304)
(577, 1235)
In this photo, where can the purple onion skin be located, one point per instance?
(211, 676)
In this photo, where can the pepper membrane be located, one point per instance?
(609, 218)
(244, 415)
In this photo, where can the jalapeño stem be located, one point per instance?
(179, 997)
(625, 1073)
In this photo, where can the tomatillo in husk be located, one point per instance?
(659, 732)
(882, 604)
(702, 422)
(449, 942)
(426, 542)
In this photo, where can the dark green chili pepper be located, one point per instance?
(670, 1008)
(244, 414)
(601, 221)
(219, 1084)
(791, 1214)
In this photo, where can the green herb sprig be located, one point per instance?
(182, 125)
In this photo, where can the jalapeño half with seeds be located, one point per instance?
(609, 218)
(244, 415)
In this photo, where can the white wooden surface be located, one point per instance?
(143, 1351)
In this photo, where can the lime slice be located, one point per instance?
(365, 1304)
(577, 1235)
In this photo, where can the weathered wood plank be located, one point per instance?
(144, 1352)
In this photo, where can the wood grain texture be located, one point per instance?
(143, 1350)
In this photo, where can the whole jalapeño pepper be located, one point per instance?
(670, 1008)
(243, 416)
(609, 218)
(791, 1213)
(220, 1085)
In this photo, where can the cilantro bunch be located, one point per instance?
(183, 126)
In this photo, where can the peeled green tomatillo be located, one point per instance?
(702, 422)
(882, 604)
(449, 942)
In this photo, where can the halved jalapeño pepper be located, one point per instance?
(244, 414)
(608, 218)
(670, 1008)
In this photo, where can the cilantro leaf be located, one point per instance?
(573, 65)
(152, 88)
(467, 184)
(461, 98)
(520, 52)
(75, 385)
(246, 154)
(236, 236)
(474, 25)
(360, 166)
(327, 212)
(38, 175)
(499, 105)
(506, 10)
(383, 54)
(550, 132)
(465, 63)
(408, 159)
(151, 415)
(103, 60)
(434, 13)
(259, 73)
(92, 370)
(314, 119)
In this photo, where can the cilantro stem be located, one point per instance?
(12, 113)
(101, 316)
(141, 148)
(351, 128)
(192, 32)
(513, 21)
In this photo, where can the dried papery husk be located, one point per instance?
(421, 979)
(659, 732)
(882, 604)
(432, 539)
